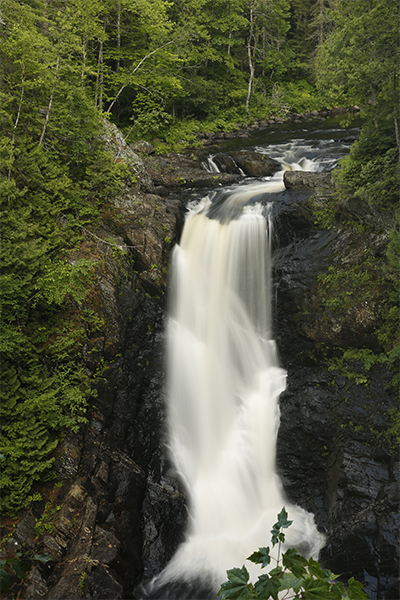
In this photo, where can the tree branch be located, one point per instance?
(50, 103)
(17, 119)
(133, 72)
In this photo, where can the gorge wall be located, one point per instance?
(120, 513)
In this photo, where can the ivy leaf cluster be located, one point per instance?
(18, 566)
(300, 578)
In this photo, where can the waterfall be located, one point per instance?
(224, 381)
(210, 165)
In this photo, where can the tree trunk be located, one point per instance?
(396, 115)
(50, 103)
(251, 63)
(17, 119)
(100, 78)
(118, 36)
(396, 128)
(84, 53)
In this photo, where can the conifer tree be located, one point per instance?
(50, 149)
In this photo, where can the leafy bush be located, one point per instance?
(370, 171)
(149, 118)
(302, 96)
(294, 574)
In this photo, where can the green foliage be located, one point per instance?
(45, 523)
(18, 566)
(184, 133)
(82, 582)
(301, 96)
(358, 63)
(150, 120)
(324, 216)
(345, 288)
(354, 363)
(392, 434)
(292, 574)
(344, 284)
(371, 170)
(55, 174)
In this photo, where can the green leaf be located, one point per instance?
(315, 589)
(289, 581)
(338, 591)
(293, 561)
(21, 569)
(355, 590)
(4, 580)
(276, 571)
(261, 557)
(282, 523)
(237, 587)
(268, 586)
(42, 558)
(315, 569)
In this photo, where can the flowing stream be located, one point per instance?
(224, 377)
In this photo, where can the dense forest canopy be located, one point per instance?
(162, 71)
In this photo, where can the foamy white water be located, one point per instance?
(224, 381)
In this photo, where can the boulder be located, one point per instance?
(174, 171)
(307, 179)
(137, 173)
(143, 147)
(226, 164)
(254, 164)
(101, 584)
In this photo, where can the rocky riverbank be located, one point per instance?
(119, 511)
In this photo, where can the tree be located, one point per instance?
(131, 59)
(54, 174)
(266, 42)
(358, 64)
(322, 20)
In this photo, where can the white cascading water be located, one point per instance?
(224, 381)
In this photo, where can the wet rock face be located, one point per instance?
(326, 439)
(174, 171)
(333, 453)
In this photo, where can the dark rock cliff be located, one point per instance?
(334, 455)
(121, 512)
